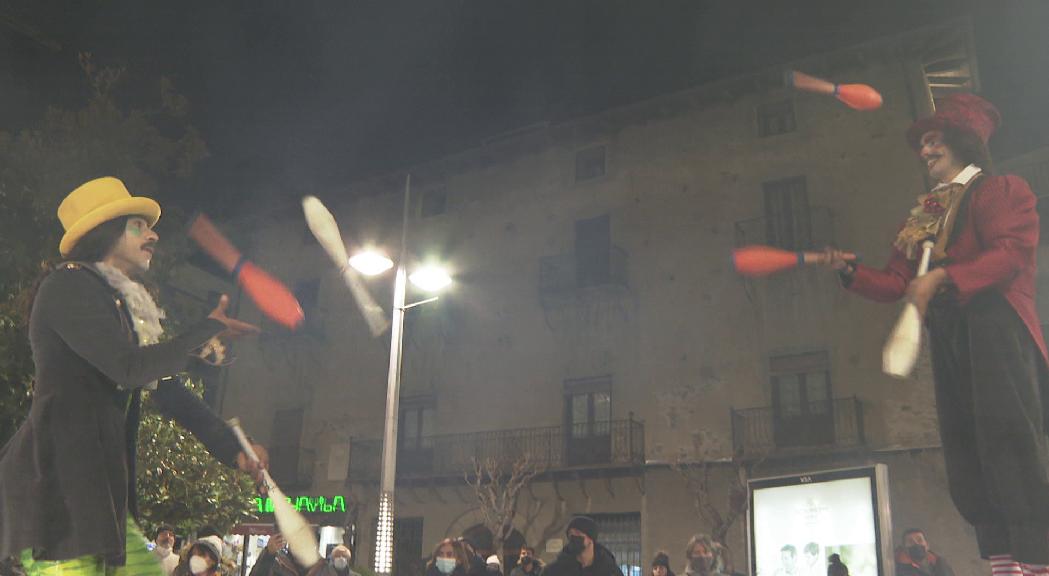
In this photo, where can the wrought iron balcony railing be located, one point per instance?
(758, 432)
(605, 444)
(560, 273)
(811, 229)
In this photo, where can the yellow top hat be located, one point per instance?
(98, 201)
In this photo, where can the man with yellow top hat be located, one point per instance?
(988, 354)
(67, 476)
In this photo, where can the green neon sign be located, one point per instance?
(305, 504)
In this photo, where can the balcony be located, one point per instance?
(811, 230)
(616, 444)
(827, 427)
(560, 273)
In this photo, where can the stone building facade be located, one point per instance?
(597, 328)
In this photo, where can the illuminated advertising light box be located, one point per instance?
(797, 522)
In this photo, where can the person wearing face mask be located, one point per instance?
(340, 561)
(164, 549)
(449, 558)
(582, 555)
(703, 557)
(205, 556)
(913, 557)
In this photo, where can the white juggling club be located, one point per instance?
(326, 231)
(292, 524)
(901, 350)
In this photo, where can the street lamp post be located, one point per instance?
(383, 560)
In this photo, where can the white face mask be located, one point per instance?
(340, 563)
(446, 565)
(198, 565)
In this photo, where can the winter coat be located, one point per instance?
(567, 565)
(67, 476)
(537, 569)
(933, 565)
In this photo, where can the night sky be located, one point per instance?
(302, 97)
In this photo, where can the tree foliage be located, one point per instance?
(150, 147)
(181, 483)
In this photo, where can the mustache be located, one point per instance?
(150, 245)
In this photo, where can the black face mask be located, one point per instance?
(700, 565)
(917, 552)
(575, 545)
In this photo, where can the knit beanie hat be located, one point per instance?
(584, 524)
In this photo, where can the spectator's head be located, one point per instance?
(449, 554)
(661, 564)
(701, 554)
(205, 555)
(526, 559)
(917, 546)
(835, 567)
(165, 536)
(340, 558)
(494, 565)
(582, 534)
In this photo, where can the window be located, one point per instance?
(590, 163)
(951, 68)
(416, 427)
(621, 534)
(593, 251)
(415, 436)
(433, 203)
(284, 446)
(801, 399)
(776, 118)
(588, 420)
(788, 219)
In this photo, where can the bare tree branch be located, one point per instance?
(497, 486)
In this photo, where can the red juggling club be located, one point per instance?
(756, 261)
(271, 296)
(855, 96)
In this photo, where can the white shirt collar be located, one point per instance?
(963, 177)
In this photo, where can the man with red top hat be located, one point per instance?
(989, 358)
(67, 476)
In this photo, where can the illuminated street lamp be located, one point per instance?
(430, 278)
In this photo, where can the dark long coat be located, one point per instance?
(67, 476)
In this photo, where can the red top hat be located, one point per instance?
(963, 111)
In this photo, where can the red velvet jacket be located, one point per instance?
(994, 249)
